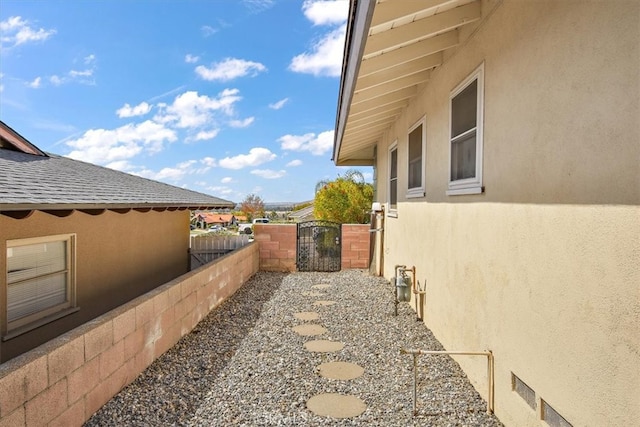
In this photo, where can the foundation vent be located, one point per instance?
(523, 390)
(551, 417)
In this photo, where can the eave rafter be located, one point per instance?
(405, 41)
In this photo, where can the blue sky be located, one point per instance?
(225, 97)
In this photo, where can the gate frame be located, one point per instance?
(334, 262)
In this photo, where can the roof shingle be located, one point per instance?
(29, 182)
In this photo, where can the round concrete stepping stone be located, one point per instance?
(340, 370)
(306, 315)
(324, 302)
(336, 405)
(323, 286)
(312, 294)
(309, 330)
(323, 346)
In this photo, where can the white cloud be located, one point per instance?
(190, 110)
(256, 156)
(120, 165)
(241, 123)
(220, 190)
(229, 69)
(85, 76)
(293, 163)
(323, 12)
(279, 104)
(191, 59)
(55, 80)
(204, 135)
(35, 84)
(258, 5)
(268, 173)
(128, 111)
(17, 31)
(208, 161)
(102, 146)
(208, 30)
(316, 145)
(325, 57)
(226, 180)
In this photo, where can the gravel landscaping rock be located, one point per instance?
(243, 365)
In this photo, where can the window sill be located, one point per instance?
(463, 191)
(38, 323)
(414, 194)
(392, 214)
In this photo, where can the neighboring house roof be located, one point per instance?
(50, 182)
(215, 218)
(12, 140)
(391, 49)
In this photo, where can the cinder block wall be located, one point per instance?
(355, 246)
(66, 380)
(277, 244)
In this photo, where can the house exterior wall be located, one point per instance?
(69, 378)
(542, 268)
(118, 257)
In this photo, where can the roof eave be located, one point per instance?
(360, 15)
(12, 207)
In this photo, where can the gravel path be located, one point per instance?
(244, 366)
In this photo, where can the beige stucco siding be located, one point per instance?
(543, 267)
(118, 257)
(552, 290)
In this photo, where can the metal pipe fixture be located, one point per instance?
(490, 371)
(403, 284)
(419, 295)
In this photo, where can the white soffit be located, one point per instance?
(405, 42)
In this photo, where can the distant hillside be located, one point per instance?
(280, 206)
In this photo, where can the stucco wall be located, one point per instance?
(542, 268)
(65, 381)
(118, 257)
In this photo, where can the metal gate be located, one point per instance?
(318, 247)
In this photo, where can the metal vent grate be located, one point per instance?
(551, 417)
(523, 390)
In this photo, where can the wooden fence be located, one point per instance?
(206, 248)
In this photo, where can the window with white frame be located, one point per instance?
(40, 280)
(393, 178)
(416, 159)
(466, 120)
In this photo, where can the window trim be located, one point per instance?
(392, 211)
(415, 192)
(35, 320)
(469, 185)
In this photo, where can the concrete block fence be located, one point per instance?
(278, 246)
(63, 382)
(355, 246)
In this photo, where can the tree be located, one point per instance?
(252, 206)
(346, 200)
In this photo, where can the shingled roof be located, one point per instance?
(50, 182)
